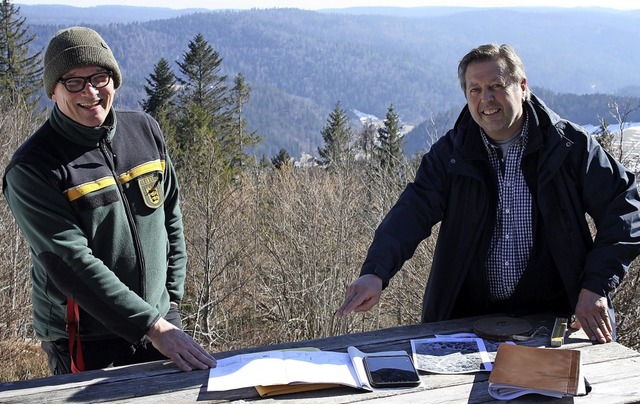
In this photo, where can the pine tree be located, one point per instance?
(264, 162)
(236, 140)
(336, 134)
(20, 71)
(282, 160)
(390, 150)
(205, 113)
(203, 84)
(160, 89)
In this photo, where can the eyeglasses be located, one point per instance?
(77, 84)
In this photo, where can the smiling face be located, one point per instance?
(494, 99)
(88, 107)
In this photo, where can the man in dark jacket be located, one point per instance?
(96, 196)
(511, 186)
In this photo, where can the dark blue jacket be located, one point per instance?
(569, 176)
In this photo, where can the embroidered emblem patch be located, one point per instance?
(151, 189)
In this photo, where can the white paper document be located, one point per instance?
(291, 367)
(282, 367)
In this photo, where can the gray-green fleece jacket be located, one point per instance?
(100, 210)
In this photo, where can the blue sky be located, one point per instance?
(318, 4)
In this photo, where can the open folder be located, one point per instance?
(278, 389)
(520, 370)
(295, 370)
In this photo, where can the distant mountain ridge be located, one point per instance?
(45, 14)
(300, 63)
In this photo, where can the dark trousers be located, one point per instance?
(100, 354)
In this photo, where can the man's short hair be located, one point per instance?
(489, 52)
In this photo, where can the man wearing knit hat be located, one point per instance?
(96, 196)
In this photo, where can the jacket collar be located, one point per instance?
(80, 134)
(541, 118)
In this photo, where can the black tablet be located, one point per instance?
(391, 371)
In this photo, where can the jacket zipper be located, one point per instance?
(109, 155)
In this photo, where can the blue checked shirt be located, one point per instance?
(512, 238)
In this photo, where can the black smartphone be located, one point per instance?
(391, 371)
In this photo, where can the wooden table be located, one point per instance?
(612, 369)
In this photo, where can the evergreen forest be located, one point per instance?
(300, 63)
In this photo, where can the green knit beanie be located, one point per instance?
(75, 47)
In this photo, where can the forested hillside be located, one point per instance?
(300, 63)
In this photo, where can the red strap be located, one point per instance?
(73, 329)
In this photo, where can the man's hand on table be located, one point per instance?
(178, 346)
(592, 315)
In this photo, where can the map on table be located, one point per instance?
(465, 353)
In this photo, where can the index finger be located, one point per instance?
(348, 305)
